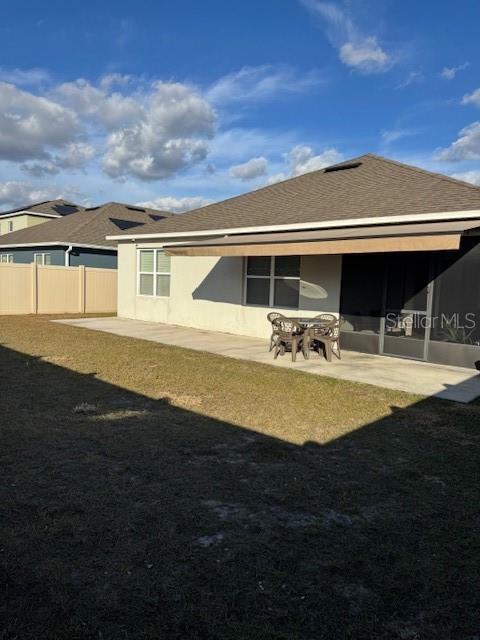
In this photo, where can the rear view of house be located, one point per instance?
(393, 249)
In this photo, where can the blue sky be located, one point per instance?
(181, 103)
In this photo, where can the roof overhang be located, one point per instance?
(30, 213)
(299, 226)
(26, 245)
(432, 236)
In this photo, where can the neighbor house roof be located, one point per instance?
(87, 227)
(55, 208)
(365, 187)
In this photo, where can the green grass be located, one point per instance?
(153, 492)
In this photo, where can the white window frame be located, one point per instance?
(6, 258)
(153, 273)
(271, 278)
(42, 255)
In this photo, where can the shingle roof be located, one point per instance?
(56, 207)
(372, 187)
(89, 226)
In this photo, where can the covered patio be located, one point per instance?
(420, 378)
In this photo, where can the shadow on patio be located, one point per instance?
(127, 517)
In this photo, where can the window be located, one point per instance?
(6, 257)
(273, 281)
(42, 258)
(10, 225)
(153, 273)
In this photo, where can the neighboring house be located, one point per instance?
(77, 239)
(34, 214)
(394, 249)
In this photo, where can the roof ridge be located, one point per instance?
(413, 167)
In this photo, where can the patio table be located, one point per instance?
(309, 323)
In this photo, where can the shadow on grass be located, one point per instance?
(125, 517)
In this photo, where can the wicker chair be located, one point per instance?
(325, 317)
(273, 315)
(327, 335)
(289, 336)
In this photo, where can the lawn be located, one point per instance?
(151, 492)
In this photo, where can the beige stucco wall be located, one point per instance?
(207, 292)
(21, 222)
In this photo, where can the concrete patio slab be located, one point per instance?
(421, 378)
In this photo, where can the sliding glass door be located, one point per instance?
(406, 306)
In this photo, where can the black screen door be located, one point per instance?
(406, 306)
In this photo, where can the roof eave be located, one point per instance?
(30, 213)
(417, 217)
(81, 245)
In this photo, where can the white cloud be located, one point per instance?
(30, 125)
(465, 147)
(252, 84)
(356, 50)
(176, 205)
(340, 26)
(392, 135)
(277, 177)
(254, 168)
(366, 55)
(74, 156)
(472, 98)
(233, 145)
(172, 134)
(24, 76)
(449, 73)
(152, 133)
(115, 80)
(112, 110)
(302, 159)
(413, 77)
(16, 193)
(469, 176)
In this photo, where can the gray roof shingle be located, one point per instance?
(89, 226)
(372, 187)
(56, 207)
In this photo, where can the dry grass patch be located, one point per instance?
(154, 492)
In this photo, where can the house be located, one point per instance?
(393, 249)
(78, 238)
(34, 214)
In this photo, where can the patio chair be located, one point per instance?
(289, 336)
(327, 335)
(325, 317)
(273, 315)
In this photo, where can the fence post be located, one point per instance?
(34, 286)
(81, 288)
